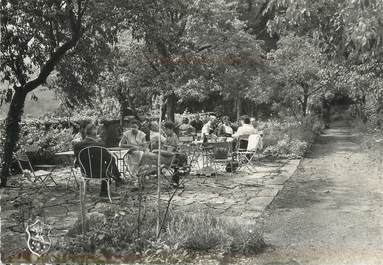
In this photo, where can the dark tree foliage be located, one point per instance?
(36, 36)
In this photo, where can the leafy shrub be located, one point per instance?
(198, 232)
(41, 145)
(203, 231)
(244, 238)
(290, 139)
(116, 231)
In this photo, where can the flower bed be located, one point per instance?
(290, 139)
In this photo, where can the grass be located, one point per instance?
(194, 233)
(204, 232)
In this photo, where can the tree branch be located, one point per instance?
(151, 63)
(204, 47)
(48, 67)
(300, 100)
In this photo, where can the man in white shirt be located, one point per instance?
(246, 129)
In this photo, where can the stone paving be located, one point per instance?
(243, 195)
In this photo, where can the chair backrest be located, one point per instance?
(95, 162)
(23, 161)
(221, 150)
(243, 140)
(254, 142)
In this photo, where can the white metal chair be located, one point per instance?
(247, 150)
(96, 164)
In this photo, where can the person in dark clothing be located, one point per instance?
(172, 143)
(145, 127)
(197, 123)
(92, 140)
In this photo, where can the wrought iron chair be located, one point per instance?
(96, 164)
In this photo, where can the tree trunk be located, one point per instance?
(171, 106)
(304, 106)
(304, 102)
(123, 111)
(238, 104)
(12, 132)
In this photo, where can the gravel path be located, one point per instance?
(330, 211)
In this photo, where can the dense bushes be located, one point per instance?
(116, 232)
(290, 138)
(41, 144)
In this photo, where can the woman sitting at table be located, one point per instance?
(133, 138)
(170, 145)
(209, 129)
(224, 129)
(185, 128)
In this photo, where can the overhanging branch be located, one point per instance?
(48, 67)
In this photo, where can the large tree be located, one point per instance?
(299, 68)
(36, 35)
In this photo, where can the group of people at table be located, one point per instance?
(145, 140)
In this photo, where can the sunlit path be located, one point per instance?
(330, 212)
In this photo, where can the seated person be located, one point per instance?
(170, 144)
(154, 134)
(78, 131)
(246, 128)
(185, 129)
(244, 131)
(91, 139)
(133, 138)
(209, 128)
(145, 128)
(197, 123)
(169, 141)
(225, 129)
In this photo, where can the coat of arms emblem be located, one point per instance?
(38, 238)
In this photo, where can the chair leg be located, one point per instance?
(42, 181)
(215, 171)
(50, 176)
(108, 185)
(73, 174)
(84, 191)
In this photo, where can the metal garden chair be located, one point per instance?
(244, 155)
(96, 164)
(42, 174)
(221, 153)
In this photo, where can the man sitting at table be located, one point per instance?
(91, 139)
(244, 131)
(133, 138)
(246, 128)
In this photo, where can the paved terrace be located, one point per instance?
(243, 195)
